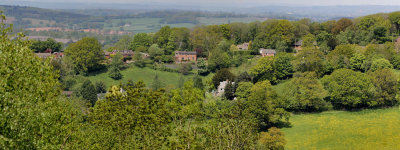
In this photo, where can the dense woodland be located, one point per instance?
(345, 64)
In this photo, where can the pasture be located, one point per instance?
(366, 129)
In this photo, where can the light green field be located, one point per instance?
(369, 129)
(169, 79)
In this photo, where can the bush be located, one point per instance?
(380, 64)
(101, 87)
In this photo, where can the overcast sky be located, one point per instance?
(243, 2)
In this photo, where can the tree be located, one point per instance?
(340, 56)
(86, 54)
(157, 83)
(162, 36)
(31, 115)
(101, 87)
(198, 82)
(124, 43)
(395, 61)
(309, 60)
(170, 48)
(218, 60)
(357, 62)
(222, 75)
(274, 139)
(88, 92)
(263, 105)
(264, 70)
(141, 40)
(341, 25)
(349, 89)
(202, 67)
(229, 92)
(395, 19)
(154, 51)
(116, 66)
(386, 85)
(304, 92)
(243, 90)
(42, 46)
(243, 77)
(138, 58)
(380, 64)
(308, 40)
(185, 68)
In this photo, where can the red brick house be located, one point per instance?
(185, 56)
(267, 52)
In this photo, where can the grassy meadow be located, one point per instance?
(169, 79)
(367, 129)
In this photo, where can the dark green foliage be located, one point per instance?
(229, 92)
(218, 60)
(157, 83)
(309, 60)
(243, 77)
(115, 73)
(42, 46)
(222, 75)
(101, 87)
(185, 68)
(198, 82)
(115, 67)
(349, 89)
(88, 92)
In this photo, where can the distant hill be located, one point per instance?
(43, 14)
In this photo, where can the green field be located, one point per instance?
(169, 79)
(368, 129)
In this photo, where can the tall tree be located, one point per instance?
(86, 54)
(88, 92)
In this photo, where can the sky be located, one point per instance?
(244, 2)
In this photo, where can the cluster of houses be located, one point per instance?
(49, 53)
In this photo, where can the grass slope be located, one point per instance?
(169, 79)
(367, 129)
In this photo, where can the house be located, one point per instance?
(185, 56)
(221, 87)
(267, 52)
(107, 54)
(244, 46)
(58, 54)
(298, 45)
(125, 53)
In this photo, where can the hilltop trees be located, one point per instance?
(86, 55)
(42, 46)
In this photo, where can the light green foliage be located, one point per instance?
(138, 58)
(273, 69)
(86, 54)
(380, 64)
(262, 103)
(115, 67)
(30, 115)
(123, 43)
(186, 102)
(154, 51)
(386, 85)
(340, 56)
(137, 116)
(243, 90)
(304, 92)
(395, 19)
(395, 61)
(218, 60)
(349, 89)
(162, 36)
(365, 129)
(202, 67)
(357, 62)
(308, 40)
(170, 48)
(141, 40)
(274, 139)
(309, 59)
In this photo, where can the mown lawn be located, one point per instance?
(367, 129)
(169, 79)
